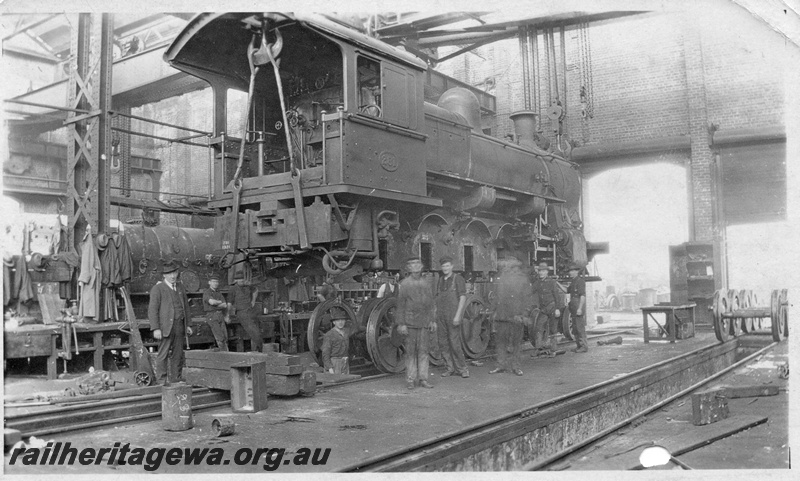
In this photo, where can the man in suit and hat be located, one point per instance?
(336, 343)
(416, 317)
(451, 298)
(243, 299)
(169, 316)
(577, 305)
(547, 298)
(216, 310)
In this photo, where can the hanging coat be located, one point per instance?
(89, 279)
(109, 264)
(22, 281)
(8, 282)
(125, 258)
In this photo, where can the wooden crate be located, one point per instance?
(709, 407)
(248, 387)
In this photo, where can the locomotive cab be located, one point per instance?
(349, 106)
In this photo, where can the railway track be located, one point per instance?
(102, 413)
(91, 414)
(509, 433)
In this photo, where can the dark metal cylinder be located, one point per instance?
(223, 427)
(176, 407)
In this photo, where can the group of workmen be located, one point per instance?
(168, 313)
(520, 301)
(421, 312)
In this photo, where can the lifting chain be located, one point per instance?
(586, 88)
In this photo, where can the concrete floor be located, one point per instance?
(765, 446)
(363, 420)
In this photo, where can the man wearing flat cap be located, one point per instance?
(169, 316)
(577, 304)
(451, 298)
(416, 316)
(547, 298)
(216, 310)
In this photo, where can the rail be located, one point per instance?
(491, 432)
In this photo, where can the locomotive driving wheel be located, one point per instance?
(758, 322)
(719, 305)
(733, 304)
(384, 343)
(746, 302)
(476, 328)
(566, 324)
(320, 323)
(778, 315)
(362, 316)
(784, 311)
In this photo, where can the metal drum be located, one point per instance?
(176, 407)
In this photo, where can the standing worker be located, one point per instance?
(547, 297)
(336, 343)
(168, 314)
(243, 299)
(216, 310)
(577, 304)
(513, 305)
(451, 297)
(416, 315)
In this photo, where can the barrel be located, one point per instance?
(176, 407)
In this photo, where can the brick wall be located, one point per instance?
(654, 75)
(640, 78)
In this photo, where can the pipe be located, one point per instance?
(659, 144)
(523, 53)
(771, 133)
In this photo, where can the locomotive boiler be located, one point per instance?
(327, 157)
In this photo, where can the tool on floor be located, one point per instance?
(616, 340)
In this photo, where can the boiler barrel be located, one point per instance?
(455, 149)
(192, 249)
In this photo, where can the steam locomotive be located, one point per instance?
(335, 164)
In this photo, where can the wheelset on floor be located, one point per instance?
(736, 312)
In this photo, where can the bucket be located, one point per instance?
(176, 407)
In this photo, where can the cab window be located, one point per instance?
(369, 87)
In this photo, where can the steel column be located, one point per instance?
(89, 134)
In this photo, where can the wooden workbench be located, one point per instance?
(44, 340)
(672, 318)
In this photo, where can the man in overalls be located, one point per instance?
(451, 298)
(216, 310)
(415, 318)
(577, 305)
(547, 297)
